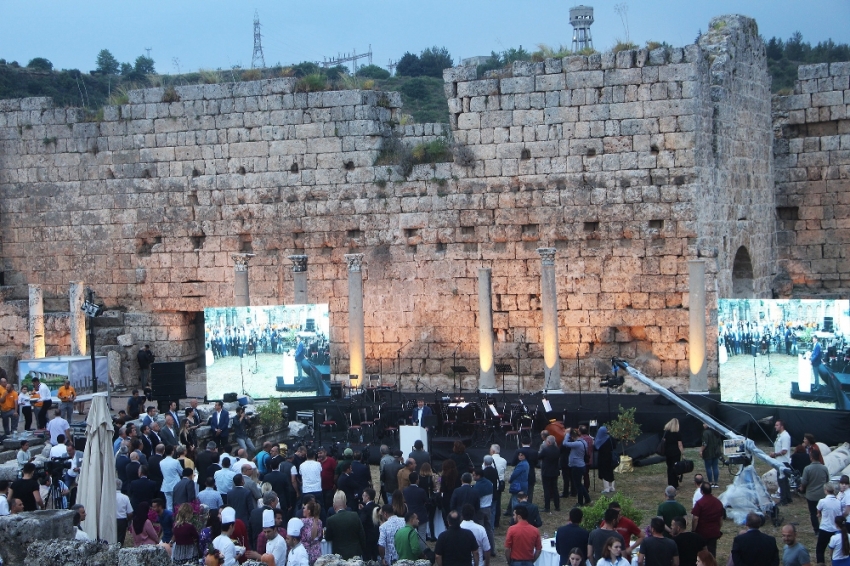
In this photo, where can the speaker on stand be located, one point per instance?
(168, 381)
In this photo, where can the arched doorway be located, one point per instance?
(742, 275)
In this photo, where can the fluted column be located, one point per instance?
(241, 295)
(356, 332)
(696, 328)
(36, 320)
(299, 277)
(549, 299)
(486, 360)
(78, 318)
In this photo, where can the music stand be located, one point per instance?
(455, 371)
(503, 369)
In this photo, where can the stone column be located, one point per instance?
(299, 277)
(356, 332)
(696, 328)
(36, 321)
(549, 299)
(78, 318)
(486, 361)
(241, 296)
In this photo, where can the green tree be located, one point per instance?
(144, 65)
(40, 63)
(373, 72)
(106, 63)
(305, 68)
(409, 66)
(434, 60)
(334, 73)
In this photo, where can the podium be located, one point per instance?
(410, 434)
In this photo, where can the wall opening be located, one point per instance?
(742, 275)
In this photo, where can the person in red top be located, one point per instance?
(708, 517)
(328, 470)
(522, 543)
(627, 528)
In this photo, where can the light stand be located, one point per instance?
(757, 399)
(93, 310)
(578, 373)
(518, 375)
(456, 369)
(613, 381)
(503, 369)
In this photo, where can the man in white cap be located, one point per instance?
(222, 542)
(297, 552)
(275, 544)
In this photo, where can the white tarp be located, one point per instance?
(97, 474)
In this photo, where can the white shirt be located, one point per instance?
(311, 476)
(783, 442)
(480, 537)
(4, 505)
(225, 546)
(122, 506)
(697, 497)
(57, 426)
(24, 399)
(277, 548)
(81, 535)
(830, 508)
(44, 392)
(297, 556)
(501, 466)
(59, 451)
(76, 462)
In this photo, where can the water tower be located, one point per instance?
(581, 18)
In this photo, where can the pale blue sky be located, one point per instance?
(212, 34)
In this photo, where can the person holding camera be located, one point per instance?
(578, 448)
(241, 426)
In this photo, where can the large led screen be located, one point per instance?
(267, 351)
(765, 350)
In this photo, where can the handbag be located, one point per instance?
(615, 458)
(429, 554)
(683, 467)
(661, 449)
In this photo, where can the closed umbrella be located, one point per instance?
(96, 490)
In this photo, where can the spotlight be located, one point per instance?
(92, 309)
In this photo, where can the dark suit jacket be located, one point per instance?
(169, 437)
(184, 492)
(202, 462)
(142, 489)
(533, 513)
(132, 473)
(255, 525)
(345, 531)
(550, 462)
(147, 447)
(426, 412)
(154, 472)
(243, 502)
(754, 548)
(415, 498)
(224, 425)
(463, 495)
(154, 438)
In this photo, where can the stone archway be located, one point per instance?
(742, 275)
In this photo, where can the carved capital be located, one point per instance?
(547, 255)
(354, 261)
(299, 263)
(241, 261)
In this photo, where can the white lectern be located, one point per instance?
(410, 434)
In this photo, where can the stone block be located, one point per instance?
(549, 82)
(816, 71)
(18, 532)
(9, 470)
(516, 85)
(584, 79)
(552, 66)
(485, 87)
(76, 552)
(148, 555)
(297, 429)
(457, 74)
(626, 59)
(839, 69)
(526, 68)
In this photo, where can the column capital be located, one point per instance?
(355, 262)
(547, 255)
(241, 261)
(299, 263)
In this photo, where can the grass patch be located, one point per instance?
(395, 152)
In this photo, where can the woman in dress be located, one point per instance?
(612, 554)
(311, 532)
(142, 529)
(460, 457)
(210, 532)
(448, 484)
(673, 450)
(185, 550)
(705, 558)
(604, 445)
(428, 483)
(187, 438)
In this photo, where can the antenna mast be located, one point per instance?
(258, 60)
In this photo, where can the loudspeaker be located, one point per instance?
(168, 380)
(336, 390)
(229, 398)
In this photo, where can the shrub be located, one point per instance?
(624, 428)
(594, 513)
(311, 83)
(270, 414)
(623, 46)
(41, 64)
(373, 72)
(251, 75)
(170, 95)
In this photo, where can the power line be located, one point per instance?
(345, 58)
(257, 59)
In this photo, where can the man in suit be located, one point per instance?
(131, 471)
(144, 438)
(533, 511)
(465, 494)
(203, 461)
(255, 526)
(241, 499)
(175, 414)
(532, 457)
(367, 508)
(220, 423)
(150, 416)
(154, 436)
(754, 548)
(420, 412)
(142, 489)
(419, 454)
(154, 473)
(169, 431)
(416, 497)
(815, 359)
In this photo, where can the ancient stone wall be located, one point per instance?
(812, 160)
(607, 158)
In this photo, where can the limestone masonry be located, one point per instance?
(628, 164)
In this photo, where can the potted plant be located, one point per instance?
(625, 429)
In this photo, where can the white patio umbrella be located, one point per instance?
(97, 475)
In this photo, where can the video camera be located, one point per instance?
(55, 468)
